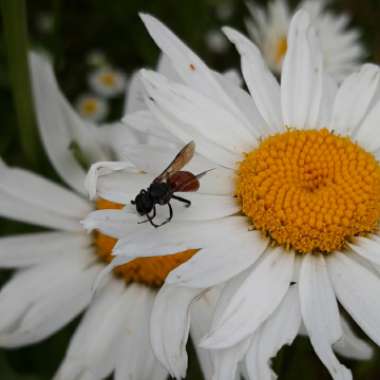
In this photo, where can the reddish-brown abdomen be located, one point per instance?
(183, 181)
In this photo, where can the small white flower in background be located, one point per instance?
(56, 269)
(216, 41)
(341, 46)
(107, 81)
(286, 223)
(92, 108)
(45, 22)
(96, 58)
(224, 10)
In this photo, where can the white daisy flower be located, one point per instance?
(107, 81)
(287, 221)
(56, 269)
(216, 41)
(341, 48)
(92, 108)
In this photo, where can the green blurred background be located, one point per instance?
(68, 31)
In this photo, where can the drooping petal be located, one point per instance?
(33, 311)
(280, 329)
(136, 359)
(105, 317)
(351, 346)
(351, 282)
(320, 313)
(249, 307)
(170, 324)
(201, 313)
(226, 361)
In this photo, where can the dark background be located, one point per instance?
(113, 26)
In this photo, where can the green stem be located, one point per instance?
(15, 35)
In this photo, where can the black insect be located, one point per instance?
(171, 180)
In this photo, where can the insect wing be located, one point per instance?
(180, 160)
(183, 181)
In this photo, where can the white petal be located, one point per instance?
(135, 359)
(146, 125)
(351, 346)
(369, 248)
(320, 313)
(134, 97)
(14, 208)
(201, 315)
(226, 361)
(106, 317)
(170, 326)
(31, 249)
(169, 239)
(185, 133)
(33, 310)
(100, 169)
(368, 132)
(115, 223)
(262, 85)
(37, 191)
(357, 290)
(195, 111)
(188, 65)
(245, 103)
(60, 126)
(302, 76)
(219, 262)
(280, 329)
(250, 306)
(353, 99)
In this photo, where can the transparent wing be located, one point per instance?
(180, 160)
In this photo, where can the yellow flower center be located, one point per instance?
(282, 46)
(310, 190)
(89, 106)
(150, 271)
(108, 79)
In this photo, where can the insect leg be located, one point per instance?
(169, 218)
(183, 200)
(149, 218)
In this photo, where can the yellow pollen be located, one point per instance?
(150, 271)
(89, 106)
(310, 191)
(282, 46)
(108, 79)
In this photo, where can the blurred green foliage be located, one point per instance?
(82, 26)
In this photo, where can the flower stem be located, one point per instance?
(16, 41)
